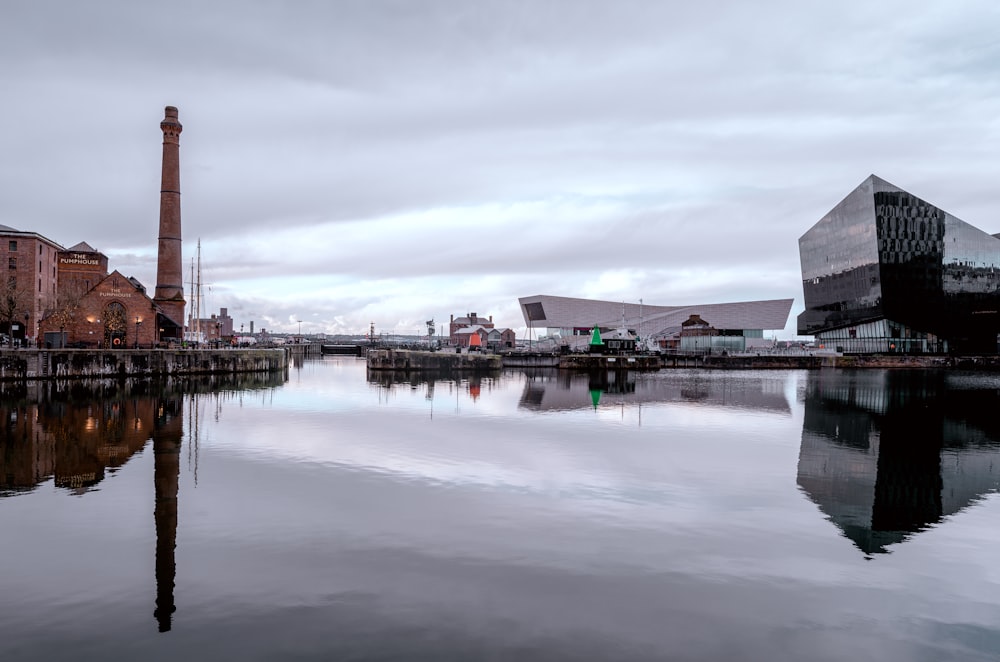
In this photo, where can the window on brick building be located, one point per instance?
(12, 263)
(12, 245)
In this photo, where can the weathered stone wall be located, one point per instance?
(600, 362)
(765, 362)
(88, 364)
(400, 359)
(530, 361)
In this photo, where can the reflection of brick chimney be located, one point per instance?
(169, 278)
(167, 432)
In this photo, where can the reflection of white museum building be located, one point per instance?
(732, 326)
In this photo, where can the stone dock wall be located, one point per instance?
(20, 364)
(601, 362)
(410, 360)
(401, 359)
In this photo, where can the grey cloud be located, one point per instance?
(712, 135)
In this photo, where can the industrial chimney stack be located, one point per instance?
(169, 276)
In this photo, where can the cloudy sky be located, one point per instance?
(348, 162)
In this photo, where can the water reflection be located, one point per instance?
(549, 389)
(79, 432)
(392, 379)
(167, 433)
(886, 454)
(553, 390)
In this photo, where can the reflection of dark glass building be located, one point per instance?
(886, 454)
(885, 271)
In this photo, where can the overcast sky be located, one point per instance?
(389, 162)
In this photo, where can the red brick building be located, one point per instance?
(462, 329)
(471, 320)
(80, 268)
(28, 286)
(114, 314)
(214, 328)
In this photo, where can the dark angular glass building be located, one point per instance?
(885, 271)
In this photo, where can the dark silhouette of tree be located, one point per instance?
(15, 300)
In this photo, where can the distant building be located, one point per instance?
(501, 339)
(618, 341)
(742, 323)
(472, 319)
(489, 338)
(213, 328)
(461, 330)
(885, 271)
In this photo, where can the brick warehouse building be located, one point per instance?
(28, 260)
(80, 268)
(461, 330)
(95, 309)
(471, 319)
(114, 314)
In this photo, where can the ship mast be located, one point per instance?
(195, 325)
(192, 320)
(197, 301)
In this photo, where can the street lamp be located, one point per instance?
(138, 321)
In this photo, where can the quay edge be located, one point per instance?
(24, 364)
(405, 359)
(417, 360)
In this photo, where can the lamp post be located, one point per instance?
(138, 321)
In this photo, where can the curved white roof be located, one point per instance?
(544, 310)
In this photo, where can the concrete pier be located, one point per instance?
(21, 364)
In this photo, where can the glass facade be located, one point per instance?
(885, 271)
(712, 344)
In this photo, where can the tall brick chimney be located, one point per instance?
(169, 273)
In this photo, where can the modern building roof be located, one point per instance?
(544, 310)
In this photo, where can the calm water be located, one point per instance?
(682, 515)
